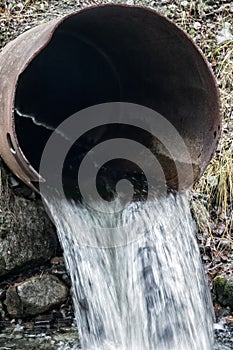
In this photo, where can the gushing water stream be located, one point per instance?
(138, 282)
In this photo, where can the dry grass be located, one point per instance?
(217, 182)
(213, 194)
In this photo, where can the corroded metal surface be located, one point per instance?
(158, 64)
(14, 59)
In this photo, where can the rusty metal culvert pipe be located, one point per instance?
(102, 54)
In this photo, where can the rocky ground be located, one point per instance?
(30, 254)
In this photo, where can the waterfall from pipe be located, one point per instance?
(143, 291)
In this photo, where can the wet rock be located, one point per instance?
(27, 236)
(223, 337)
(46, 340)
(35, 295)
(223, 289)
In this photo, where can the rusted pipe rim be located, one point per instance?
(150, 62)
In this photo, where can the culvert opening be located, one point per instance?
(113, 54)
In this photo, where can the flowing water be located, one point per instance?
(138, 282)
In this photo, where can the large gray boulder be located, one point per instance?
(35, 296)
(27, 236)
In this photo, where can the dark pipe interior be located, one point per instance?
(111, 54)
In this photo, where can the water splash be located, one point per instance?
(150, 293)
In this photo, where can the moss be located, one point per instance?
(219, 284)
(227, 299)
(224, 291)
